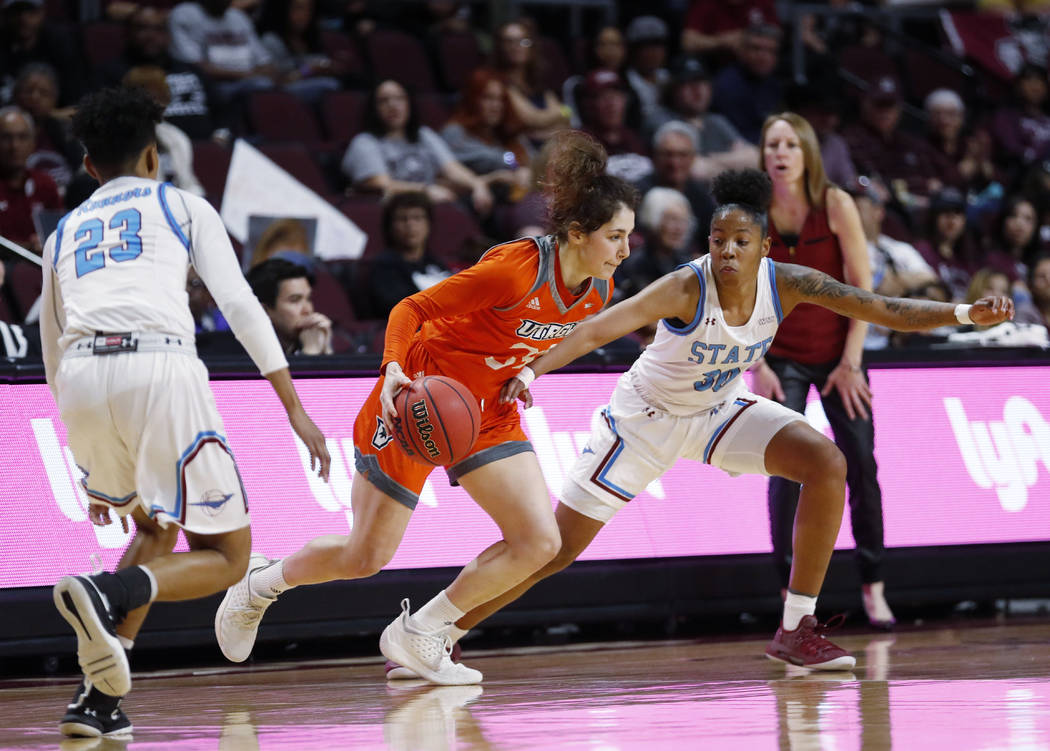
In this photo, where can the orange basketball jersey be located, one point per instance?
(482, 325)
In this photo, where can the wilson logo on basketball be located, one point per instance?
(424, 427)
(542, 331)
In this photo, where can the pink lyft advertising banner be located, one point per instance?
(963, 454)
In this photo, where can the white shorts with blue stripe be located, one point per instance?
(632, 443)
(144, 428)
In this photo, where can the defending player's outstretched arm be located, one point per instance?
(798, 284)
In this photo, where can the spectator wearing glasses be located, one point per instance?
(514, 57)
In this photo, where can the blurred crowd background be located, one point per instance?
(423, 123)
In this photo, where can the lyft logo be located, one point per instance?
(1003, 455)
(64, 476)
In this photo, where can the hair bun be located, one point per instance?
(747, 187)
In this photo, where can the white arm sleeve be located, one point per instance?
(214, 259)
(50, 322)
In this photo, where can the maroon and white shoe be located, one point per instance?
(395, 672)
(808, 647)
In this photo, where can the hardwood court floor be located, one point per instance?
(972, 687)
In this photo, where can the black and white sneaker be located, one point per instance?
(99, 651)
(92, 714)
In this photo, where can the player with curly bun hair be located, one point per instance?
(685, 398)
(479, 327)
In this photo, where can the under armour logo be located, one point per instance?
(709, 321)
(534, 304)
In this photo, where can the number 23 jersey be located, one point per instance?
(694, 365)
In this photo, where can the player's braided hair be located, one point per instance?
(748, 190)
(115, 124)
(578, 190)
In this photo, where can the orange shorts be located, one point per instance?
(380, 459)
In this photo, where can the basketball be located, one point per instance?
(437, 420)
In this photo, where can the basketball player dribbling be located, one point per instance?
(479, 327)
(684, 398)
(119, 355)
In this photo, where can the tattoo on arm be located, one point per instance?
(812, 286)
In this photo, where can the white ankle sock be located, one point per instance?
(796, 607)
(269, 581)
(455, 633)
(437, 615)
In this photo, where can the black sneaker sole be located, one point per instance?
(99, 651)
(78, 729)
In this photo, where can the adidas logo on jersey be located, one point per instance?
(534, 304)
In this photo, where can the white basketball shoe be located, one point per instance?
(428, 655)
(237, 619)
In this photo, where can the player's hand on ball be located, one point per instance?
(992, 310)
(313, 439)
(395, 381)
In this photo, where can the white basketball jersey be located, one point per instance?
(691, 367)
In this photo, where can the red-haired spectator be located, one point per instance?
(486, 137)
(22, 189)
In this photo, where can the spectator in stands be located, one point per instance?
(686, 99)
(818, 105)
(668, 229)
(949, 247)
(748, 90)
(896, 266)
(994, 281)
(604, 115)
(173, 146)
(1039, 284)
(647, 39)
(514, 57)
(1021, 129)
(285, 289)
(395, 154)
(291, 33)
(674, 151)
(879, 147)
(220, 40)
(27, 37)
(608, 51)
(486, 138)
(23, 189)
(1013, 245)
(146, 41)
(405, 266)
(56, 152)
(721, 27)
(962, 159)
(206, 314)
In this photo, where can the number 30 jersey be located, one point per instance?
(694, 365)
(482, 325)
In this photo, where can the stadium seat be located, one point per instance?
(866, 64)
(458, 55)
(211, 162)
(433, 110)
(102, 41)
(342, 113)
(282, 117)
(296, 160)
(453, 227)
(339, 46)
(26, 282)
(330, 298)
(926, 73)
(395, 55)
(366, 213)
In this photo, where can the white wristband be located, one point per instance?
(526, 375)
(962, 314)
